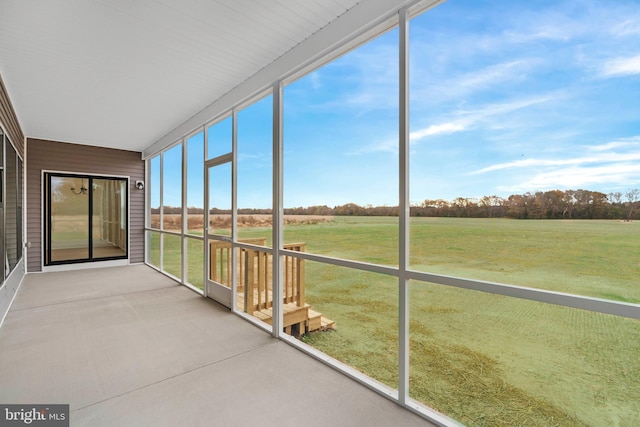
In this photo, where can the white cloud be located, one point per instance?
(466, 119)
(316, 82)
(436, 85)
(621, 67)
(627, 28)
(389, 145)
(461, 121)
(499, 108)
(526, 163)
(554, 32)
(601, 165)
(439, 129)
(529, 163)
(622, 143)
(493, 74)
(579, 177)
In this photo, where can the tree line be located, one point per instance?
(553, 204)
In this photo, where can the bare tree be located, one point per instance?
(615, 197)
(632, 197)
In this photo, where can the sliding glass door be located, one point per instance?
(109, 218)
(85, 219)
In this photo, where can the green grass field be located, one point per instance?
(479, 358)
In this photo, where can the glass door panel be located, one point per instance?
(2, 227)
(220, 200)
(69, 219)
(109, 218)
(219, 232)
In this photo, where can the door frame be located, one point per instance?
(45, 224)
(214, 290)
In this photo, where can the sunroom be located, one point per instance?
(433, 203)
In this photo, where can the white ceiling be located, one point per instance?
(128, 73)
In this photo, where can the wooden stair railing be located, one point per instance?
(220, 260)
(255, 284)
(255, 275)
(294, 286)
(257, 279)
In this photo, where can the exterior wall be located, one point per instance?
(10, 121)
(9, 289)
(11, 207)
(65, 157)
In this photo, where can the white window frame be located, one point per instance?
(402, 273)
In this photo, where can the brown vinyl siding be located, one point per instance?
(45, 155)
(11, 208)
(11, 235)
(9, 120)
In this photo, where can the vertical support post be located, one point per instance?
(404, 211)
(147, 211)
(234, 210)
(229, 267)
(287, 279)
(263, 291)
(208, 266)
(278, 210)
(248, 281)
(300, 281)
(268, 279)
(185, 216)
(213, 262)
(161, 225)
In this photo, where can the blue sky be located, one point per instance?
(506, 97)
(529, 96)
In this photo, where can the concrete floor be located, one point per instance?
(127, 346)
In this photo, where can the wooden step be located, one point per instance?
(306, 319)
(327, 324)
(292, 314)
(315, 321)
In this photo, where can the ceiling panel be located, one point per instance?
(121, 73)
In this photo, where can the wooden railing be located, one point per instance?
(220, 261)
(255, 278)
(293, 286)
